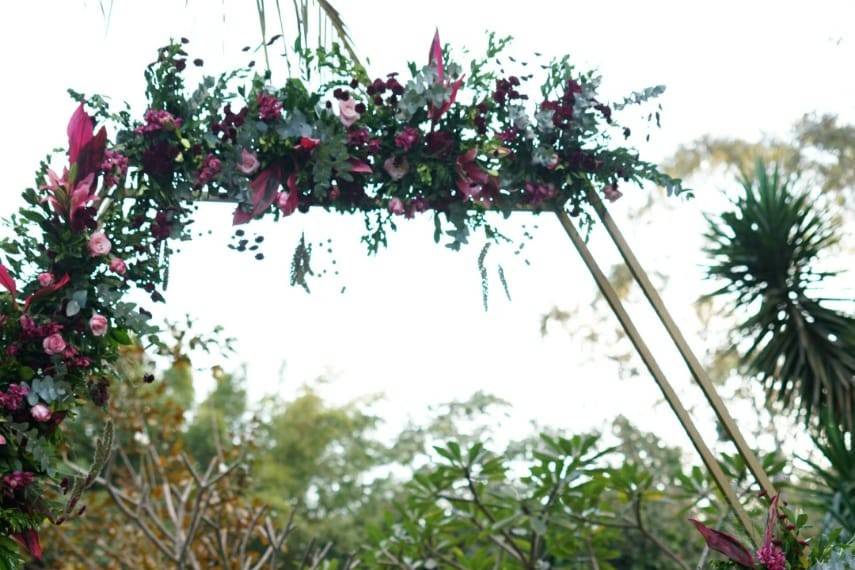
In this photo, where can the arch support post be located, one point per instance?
(698, 373)
(722, 481)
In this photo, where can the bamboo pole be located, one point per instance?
(671, 396)
(698, 372)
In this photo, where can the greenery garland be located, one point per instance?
(384, 147)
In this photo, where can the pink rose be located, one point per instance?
(396, 206)
(611, 192)
(347, 112)
(54, 344)
(98, 324)
(2, 440)
(396, 168)
(118, 266)
(45, 279)
(99, 244)
(248, 162)
(40, 413)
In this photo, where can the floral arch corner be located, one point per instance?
(445, 143)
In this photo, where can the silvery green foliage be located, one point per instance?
(422, 90)
(640, 96)
(839, 560)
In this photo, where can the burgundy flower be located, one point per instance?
(269, 107)
(439, 143)
(209, 170)
(162, 226)
(358, 137)
(17, 480)
(230, 123)
(405, 139)
(158, 160)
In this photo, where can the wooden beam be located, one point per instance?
(671, 396)
(698, 372)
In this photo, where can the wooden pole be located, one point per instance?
(671, 397)
(698, 372)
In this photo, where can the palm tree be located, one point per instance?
(766, 251)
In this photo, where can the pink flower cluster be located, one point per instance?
(405, 139)
(772, 556)
(537, 193)
(157, 120)
(13, 397)
(211, 167)
(115, 167)
(269, 107)
(17, 480)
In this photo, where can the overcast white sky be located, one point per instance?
(410, 324)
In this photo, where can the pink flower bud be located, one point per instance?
(118, 266)
(248, 162)
(40, 413)
(98, 324)
(347, 112)
(45, 279)
(396, 206)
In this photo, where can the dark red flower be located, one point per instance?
(405, 139)
(269, 107)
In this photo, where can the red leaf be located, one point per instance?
(91, 154)
(771, 519)
(726, 544)
(79, 130)
(435, 56)
(44, 291)
(29, 539)
(7, 281)
(264, 188)
(359, 166)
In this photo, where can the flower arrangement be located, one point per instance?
(445, 143)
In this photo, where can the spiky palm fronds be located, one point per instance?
(834, 484)
(766, 250)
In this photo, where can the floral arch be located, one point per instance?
(451, 144)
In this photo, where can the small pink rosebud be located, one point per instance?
(54, 344)
(396, 206)
(118, 266)
(2, 439)
(98, 324)
(45, 279)
(40, 413)
(396, 168)
(347, 112)
(611, 192)
(248, 162)
(99, 244)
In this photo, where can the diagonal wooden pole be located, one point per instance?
(698, 372)
(673, 400)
